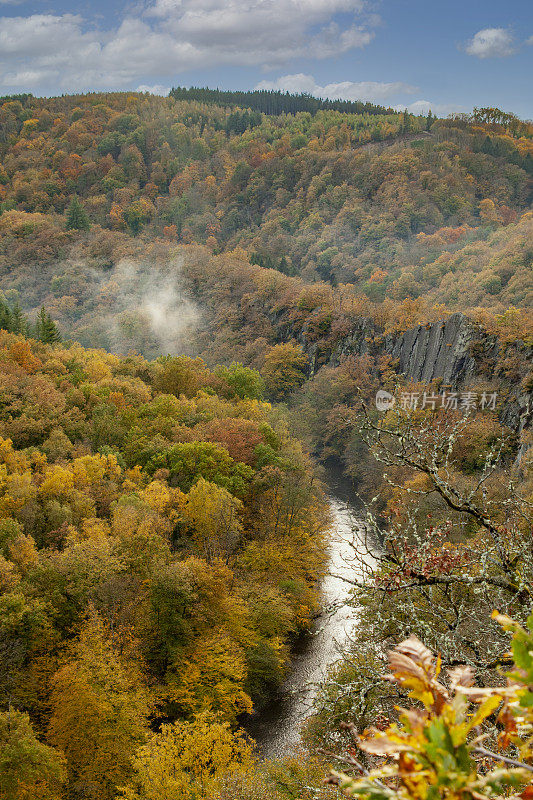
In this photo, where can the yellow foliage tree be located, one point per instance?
(29, 770)
(186, 760)
(212, 679)
(212, 512)
(99, 713)
(284, 369)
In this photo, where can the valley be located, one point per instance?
(224, 567)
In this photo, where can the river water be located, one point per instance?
(276, 728)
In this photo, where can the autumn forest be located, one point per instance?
(201, 298)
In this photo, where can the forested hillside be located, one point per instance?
(391, 203)
(169, 226)
(199, 302)
(161, 537)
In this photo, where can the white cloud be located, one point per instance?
(371, 91)
(266, 32)
(60, 52)
(491, 43)
(420, 107)
(332, 41)
(35, 47)
(155, 89)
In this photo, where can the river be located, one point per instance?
(276, 728)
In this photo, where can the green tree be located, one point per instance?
(46, 329)
(11, 318)
(245, 382)
(189, 461)
(77, 219)
(29, 770)
(136, 216)
(19, 323)
(6, 317)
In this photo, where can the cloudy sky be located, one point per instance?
(447, 54)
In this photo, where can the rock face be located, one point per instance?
(455, 352)
(438, 351)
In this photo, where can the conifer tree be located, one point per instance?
(5, 317)
(77, 218)
(12, 319)
(406, 122)
(18, 320)
(46, 329)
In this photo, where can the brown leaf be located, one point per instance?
(461, 676)
(402, 665)
(417, 719)
(411, 662)
(382, 746)
(476, 694)
(418, 652)
(507, 719)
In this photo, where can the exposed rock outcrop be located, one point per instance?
(456, 353)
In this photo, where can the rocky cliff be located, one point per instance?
(455, 353)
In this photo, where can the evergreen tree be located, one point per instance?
(406, 122)
(18, 320)
(6, 319)
(12, 319)
(77, 218)
(270, 102)
(46, 329)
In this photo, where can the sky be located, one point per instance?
(447, 55)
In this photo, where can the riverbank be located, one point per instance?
(276, 727)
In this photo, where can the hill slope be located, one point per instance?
(374, 200)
